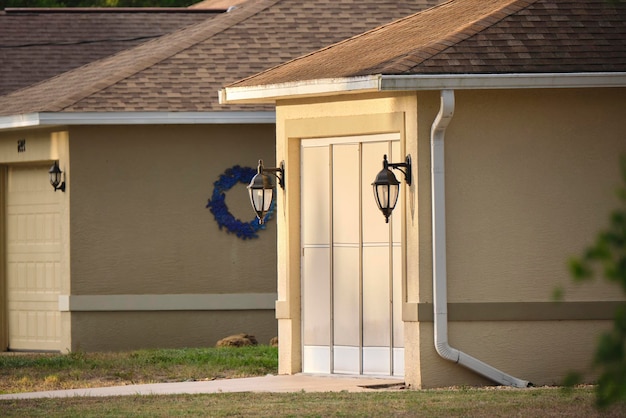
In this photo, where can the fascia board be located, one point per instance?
(324, 87)
(501, 81)
(135, 118)
(19, 121)
(310, 88)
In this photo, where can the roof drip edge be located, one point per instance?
(310, 88)
(416, 82)
(502, 81)
(135, 118)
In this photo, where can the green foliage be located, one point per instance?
(608, 254)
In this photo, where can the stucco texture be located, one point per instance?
(139, 221)
(530, 180)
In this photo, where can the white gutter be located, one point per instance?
(135, 118)
(440, 296)
(416, 82)
(501, 81)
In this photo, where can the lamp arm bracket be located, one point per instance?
(278, 172)
(407, 165)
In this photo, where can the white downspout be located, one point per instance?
(440, 303)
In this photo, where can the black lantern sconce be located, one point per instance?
(56, 177)
(387, 187)
(261, 188)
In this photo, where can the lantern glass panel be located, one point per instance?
(261, 199)
(386, 195)
(55, 175)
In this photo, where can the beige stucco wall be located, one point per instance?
(530, 177)
(146, 263)
(139, 225)
(146, 189)
(530, 180)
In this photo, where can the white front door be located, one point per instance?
(33, 254)
(351, 260)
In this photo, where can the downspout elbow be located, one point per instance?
(445, 351)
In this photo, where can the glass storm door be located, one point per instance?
(351, 260)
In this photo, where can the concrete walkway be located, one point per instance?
(270, 383)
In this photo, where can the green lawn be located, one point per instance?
(34, 372)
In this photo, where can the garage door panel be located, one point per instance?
(33, 245)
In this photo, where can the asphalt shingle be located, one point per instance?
(184, 70)
(475, 37)
(36, 44)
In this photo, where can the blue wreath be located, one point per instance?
(217, 203)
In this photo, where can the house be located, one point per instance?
(511, 115)
(39, 43)
(129, 255)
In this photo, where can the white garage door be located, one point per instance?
(33, 259)
(351, 260)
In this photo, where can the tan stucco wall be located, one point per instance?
(149, 266)
(530, 180)
(537, 174)
(139, 225)
(105, 331)
(146, 189)
(530, 177)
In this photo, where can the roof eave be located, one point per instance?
(299, 89)
(324, 87)
(135, 118)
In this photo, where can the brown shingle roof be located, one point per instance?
(184, 70)
(36, 44)
(475, 36)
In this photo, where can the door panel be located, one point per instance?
(346, 297)
(351, 264)
(346, 194)
(33, 259)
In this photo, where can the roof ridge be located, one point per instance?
(462, 33)
(146, 55)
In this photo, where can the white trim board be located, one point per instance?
(135, 118)
(418, 82)
(181, 302)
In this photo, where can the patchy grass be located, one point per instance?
(36, 372)
(499, 402)
(32, 372)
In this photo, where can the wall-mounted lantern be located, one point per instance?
(56, 176)
(387, 187)
(261, 188)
